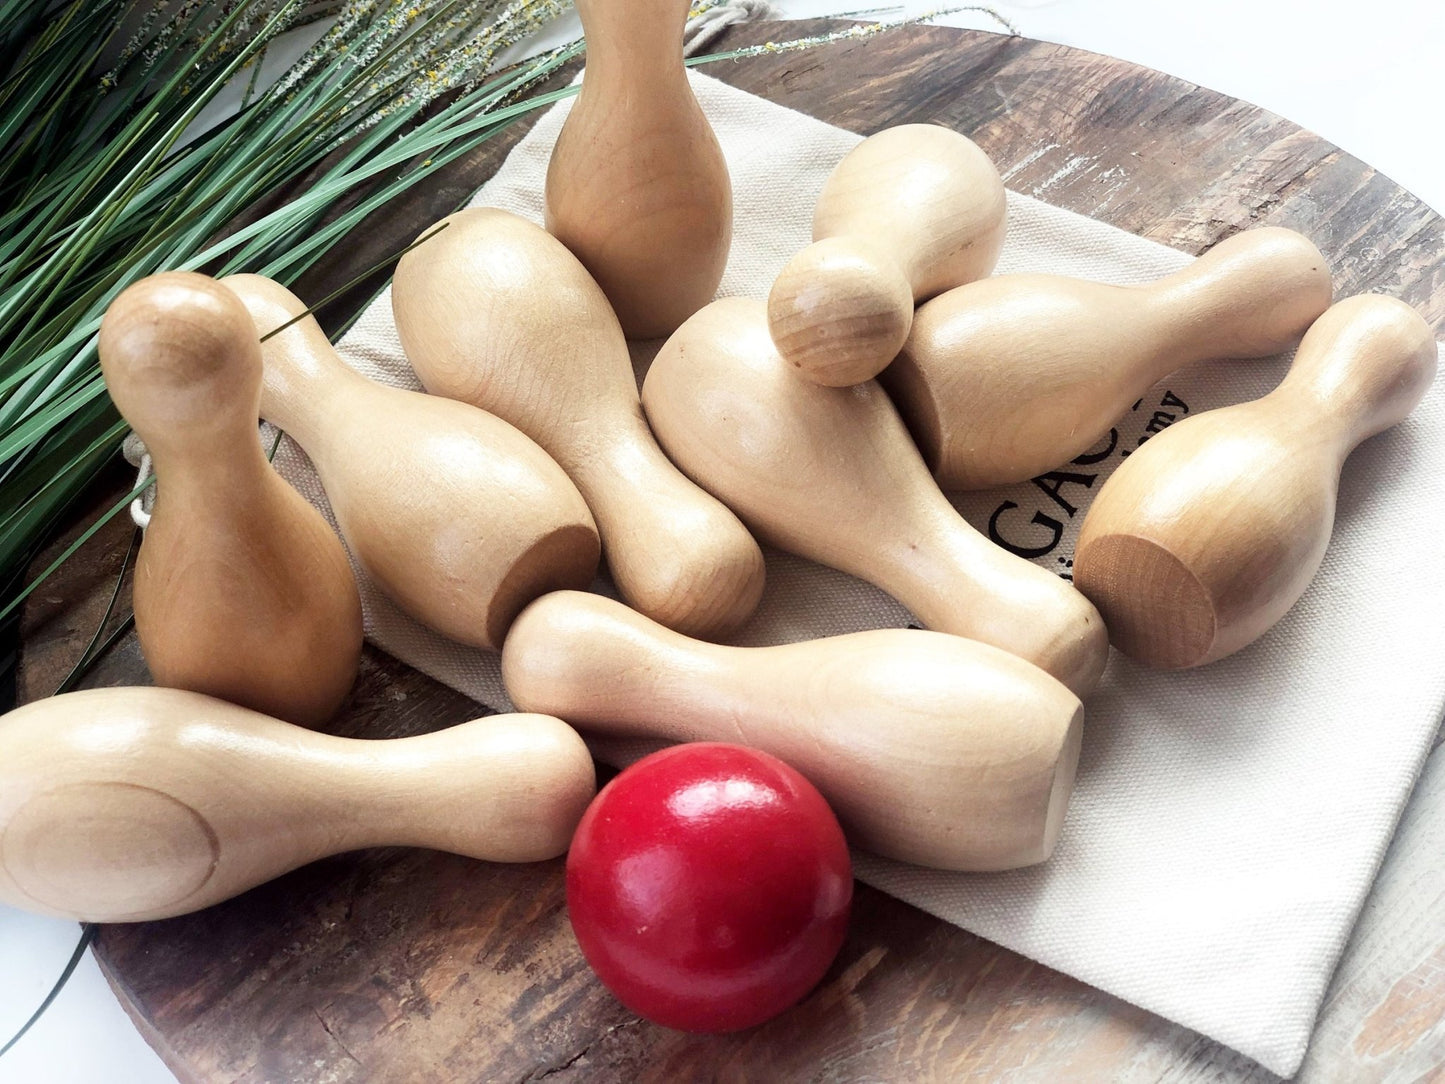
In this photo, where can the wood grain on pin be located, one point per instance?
(130, 804)
(637, 186)
(241, 589)
(931, 748)
(461, 519)
(1006, 378)
(831, 474)
(909, 212)
(496, 312)
(1211, 531)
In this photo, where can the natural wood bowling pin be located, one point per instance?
(909, 212)
(125, 805)
(1009, 377)
(932, 749)
(831, 474)
(458, 517)
(637, 187)
(241, 589)
(495, 312)
(1211, 531)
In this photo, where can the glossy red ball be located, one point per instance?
(709, 887)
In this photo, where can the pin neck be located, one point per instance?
(225, 457)
(1180, 313)
(674, 673)
(620, 446)
(1250, 296)
(378, 785)
(1349, 394)
(632, 39)
(300, 387)
(924, 560)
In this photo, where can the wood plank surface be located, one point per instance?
(412, 966)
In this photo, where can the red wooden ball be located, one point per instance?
(709, 887)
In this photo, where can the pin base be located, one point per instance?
(1156, 609)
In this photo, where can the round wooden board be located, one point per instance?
(413, 966)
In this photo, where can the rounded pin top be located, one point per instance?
(1368, 360)
(840, 312)
(179, 350)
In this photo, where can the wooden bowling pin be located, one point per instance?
(1006, 378)
(241, 589)
(457, 516)
(909, 212)
(125, 805)
(831, 474)
(637, 187)
(495, 312)
(1204, 537)
(931, 749)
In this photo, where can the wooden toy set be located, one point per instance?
(885, 367)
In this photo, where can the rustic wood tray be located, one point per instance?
(413, 966)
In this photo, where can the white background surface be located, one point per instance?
(1359, 75)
